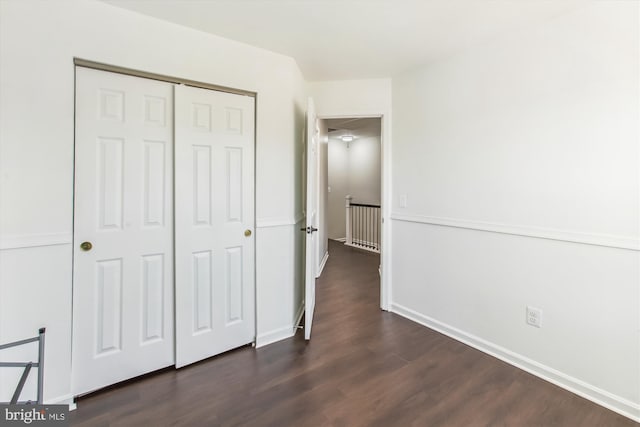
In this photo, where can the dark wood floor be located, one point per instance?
(363, 367)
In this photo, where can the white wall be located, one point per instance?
(351, 98)
(519, 160)
(338, 168)
(354, 169)
(38, 42)
(364, 170)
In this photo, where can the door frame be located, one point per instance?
(385, 196)
(100, 66)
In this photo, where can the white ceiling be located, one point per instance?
(354, 39)
(357, 127)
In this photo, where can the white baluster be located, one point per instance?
(349, 240)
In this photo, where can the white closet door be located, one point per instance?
(123, 229)
(215, 294)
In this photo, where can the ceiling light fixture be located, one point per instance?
(347, 138)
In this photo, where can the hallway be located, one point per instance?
(363, 367)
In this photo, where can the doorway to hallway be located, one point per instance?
(349, 150)
(349, 182)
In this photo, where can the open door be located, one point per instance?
(311, 214)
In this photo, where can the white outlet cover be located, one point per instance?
(534, 317)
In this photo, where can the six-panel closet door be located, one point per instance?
(215, 245)
(123, 229)
(129, 247)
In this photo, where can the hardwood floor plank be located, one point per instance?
(363, 367)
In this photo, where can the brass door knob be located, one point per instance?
(86, 246)
(247, 233)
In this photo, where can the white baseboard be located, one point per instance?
(280, 333)
(67, 399)
(601, 397)
(274, 336)
(299, 316)
(364, 248)
(340, 239)
(322, 264)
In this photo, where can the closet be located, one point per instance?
(164, 245)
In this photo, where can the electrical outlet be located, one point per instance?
(403, 200)
(534, 317)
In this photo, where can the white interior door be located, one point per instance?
(123, 229)
(215, 245)
(312, 218)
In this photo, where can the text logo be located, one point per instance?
(34, 415)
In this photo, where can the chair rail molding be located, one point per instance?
(23, 241)
(279, 221)
(611, 241)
